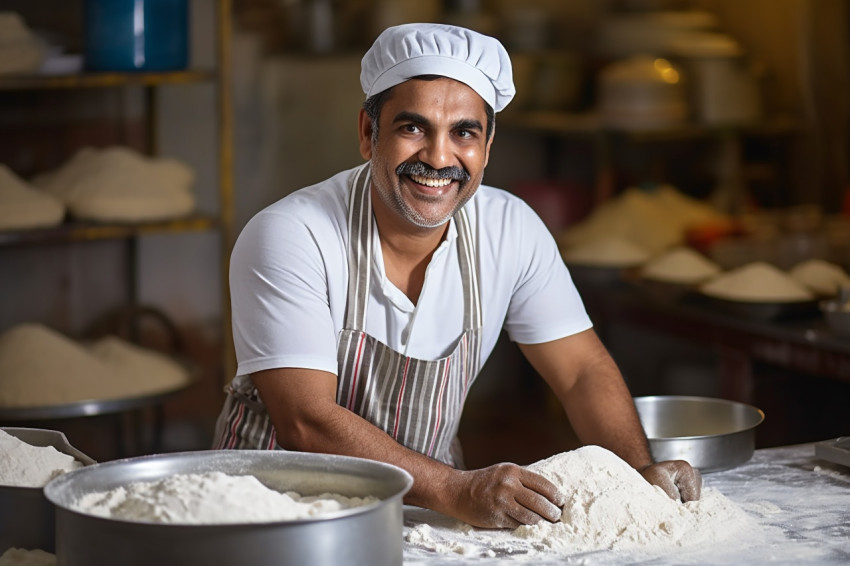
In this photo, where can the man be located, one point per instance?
(364, 306)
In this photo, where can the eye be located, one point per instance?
(411, 129)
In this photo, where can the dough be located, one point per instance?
(121, 185)
(23, 207)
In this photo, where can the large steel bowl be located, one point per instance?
(26, 517)
(711, 434)
(369, 536)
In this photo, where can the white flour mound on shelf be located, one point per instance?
(24, 557)
(211, 498)
(757, 281)
(680, 265)
(606, 252)
(820, 276)
(609, 507)
(24, 465)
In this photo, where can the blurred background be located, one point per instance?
(739, 107)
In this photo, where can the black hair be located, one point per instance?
(375, 103)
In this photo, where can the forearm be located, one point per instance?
(331, 429)
(591, 389)
(602, 412)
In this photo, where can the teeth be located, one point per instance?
(434, 183)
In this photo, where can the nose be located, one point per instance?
(436, 151)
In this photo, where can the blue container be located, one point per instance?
(136, 35)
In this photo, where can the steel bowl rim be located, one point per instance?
(714, 400)
(57, 483)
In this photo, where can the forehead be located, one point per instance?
(442, 96)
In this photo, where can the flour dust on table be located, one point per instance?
(609, 507)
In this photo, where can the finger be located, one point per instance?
(540, 507)
(523, 515)
(689, 482)
(544, 487)
(665, 482)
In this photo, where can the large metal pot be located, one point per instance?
(367, 536)
(711, 434)
(26, 517)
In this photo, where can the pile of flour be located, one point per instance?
(24, 557)
(609, 507)
(24, 465)
(757, 281)
(211, 498)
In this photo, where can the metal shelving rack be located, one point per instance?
(72, 231)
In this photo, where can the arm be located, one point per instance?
(597, 401)
(303, 409)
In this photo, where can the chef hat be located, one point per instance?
(403, 52)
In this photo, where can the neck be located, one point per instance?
(406, 250)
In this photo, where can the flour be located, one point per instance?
(24, 465)
(680, 265)
(820, 276)
(609, 507)
(606, 252)
(211, 498)
(42, 367)
(23, 557)
(757, 281)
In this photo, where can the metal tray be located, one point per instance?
(763, 311)
(836, 450)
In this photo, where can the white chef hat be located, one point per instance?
(405, 51)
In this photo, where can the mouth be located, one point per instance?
(430, 182)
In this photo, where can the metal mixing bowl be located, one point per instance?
(368, 536)
(711, 434)
(26, 517)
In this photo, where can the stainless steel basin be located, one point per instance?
(367, 536)
(26, 517)
(711, 434)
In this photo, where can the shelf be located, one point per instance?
(89, 231)
(102, 80)
(580, 124)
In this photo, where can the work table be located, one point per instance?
(802, 502)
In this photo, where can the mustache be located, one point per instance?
(424, 170)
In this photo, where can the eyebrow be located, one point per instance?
(416, 118)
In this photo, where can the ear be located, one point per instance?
(365, 133)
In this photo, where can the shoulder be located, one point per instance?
(495, 210)
(317, 210)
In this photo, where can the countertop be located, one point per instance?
(801, 503)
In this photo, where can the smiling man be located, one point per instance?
(364, 306)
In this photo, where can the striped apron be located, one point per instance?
(417, 402)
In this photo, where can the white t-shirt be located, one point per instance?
(289, 283)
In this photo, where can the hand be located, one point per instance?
(676, 477)
(505, 496)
